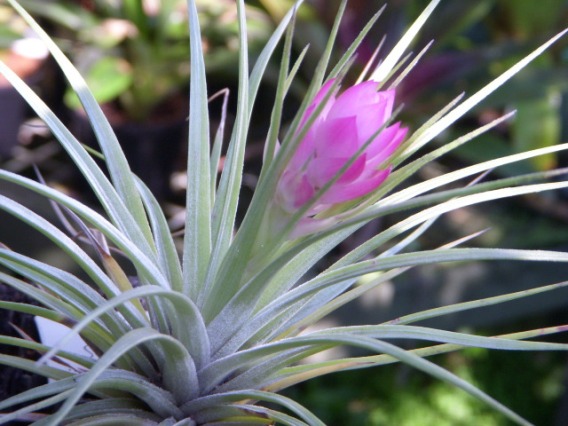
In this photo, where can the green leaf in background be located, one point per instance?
(538, 124)
(528, 17)
(11, 28)
(107, 78)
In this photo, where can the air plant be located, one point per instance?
(212, 333)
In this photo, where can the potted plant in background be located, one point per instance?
(133, 54)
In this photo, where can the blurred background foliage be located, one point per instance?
(145, 61)
(401, 396)
(136, 52)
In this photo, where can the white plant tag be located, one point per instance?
(51, 332)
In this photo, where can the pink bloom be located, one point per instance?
(346, 123)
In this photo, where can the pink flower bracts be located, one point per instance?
(346, 123)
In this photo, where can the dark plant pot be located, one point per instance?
(12, 111)
(27, 59)
(152, 148)
(13, 380)
(152, 151)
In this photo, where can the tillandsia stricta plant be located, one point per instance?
(211, 334)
